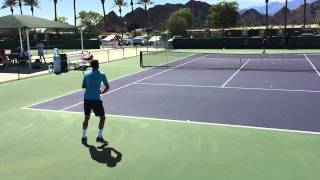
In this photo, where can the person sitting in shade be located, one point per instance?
(86, 56)
(2, 56)
(40, 47)
(23, 55)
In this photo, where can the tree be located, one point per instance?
(180, 21)
(133, 18)
(89, 20)
(75, 15)
(224, 14)
(177, 25)
(186, 13)
(9, 4)
(104, 14)
(120, 4)
(267, 16)
(208, 23)
(20, 6)
(285, 18)
(55, 2)
(62, 19)
(145, 3)
(305, 13)
(33, 4)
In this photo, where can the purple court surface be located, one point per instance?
(276, 99)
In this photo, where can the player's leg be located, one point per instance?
(101, 125)
(99, 111)
(84, 129)
(44, 59)
(102, 120)
(86, 122)
(87, 112)
(100, 133)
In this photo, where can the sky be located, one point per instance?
(65, 7)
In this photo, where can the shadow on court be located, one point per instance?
(105, 155)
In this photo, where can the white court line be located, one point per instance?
(312, 65)
(235, 73)
(57, 97)
(265, 89)
(178, 85)
(190, 122)
(237, 88)
(148, 77)
(252, 59)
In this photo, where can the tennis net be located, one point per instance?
(187, 60)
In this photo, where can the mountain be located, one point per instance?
(253, 17)
(274, 7)
(296, 16)
(200, 11)
(158, 15)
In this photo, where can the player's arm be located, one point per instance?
(106, 85)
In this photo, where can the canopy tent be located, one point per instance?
(155, 38)
(30, 22)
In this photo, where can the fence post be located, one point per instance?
(136, 51)
(18, 71)
(108, 55)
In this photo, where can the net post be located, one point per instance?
(123, 52)
(141, 59)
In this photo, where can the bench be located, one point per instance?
(6, 61)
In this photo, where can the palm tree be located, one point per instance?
(285, 18)
(145, 3)
(32, 3)
(104, 14)
(20, 5)
(133, 18)
(120, 4)
(75, 15)
(55, 10)
(9, 4)
(305, 13)
(267, 16)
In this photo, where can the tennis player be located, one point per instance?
(264, 44)
(92, 84)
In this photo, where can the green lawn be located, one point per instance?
(38, 145)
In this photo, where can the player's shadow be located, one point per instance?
(105, 155)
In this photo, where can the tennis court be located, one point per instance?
(263, 91)
(148, 109)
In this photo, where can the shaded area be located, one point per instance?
(104, 155)
(23, 68)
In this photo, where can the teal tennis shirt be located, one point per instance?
(92, 81)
